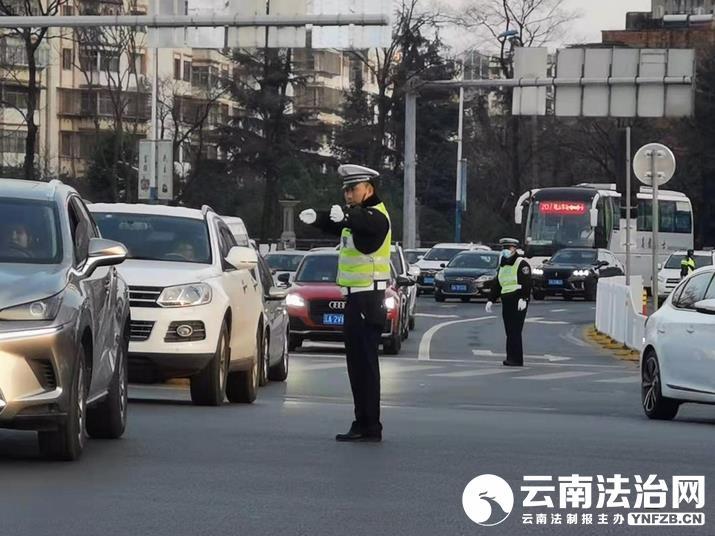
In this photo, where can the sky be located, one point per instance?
(595, 15)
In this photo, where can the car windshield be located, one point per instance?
(158, 238)
(475, 260)
(397, 262)
(674, 261)
(413, 256)
(318, 269)
(29, 232)
(574, 256)
(555, 224)
(442, 254)
(283, 262)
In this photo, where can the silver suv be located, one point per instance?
(64, 320)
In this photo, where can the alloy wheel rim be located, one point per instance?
(650, 384)
(80, 405)
(123, 395)
(264, 364)
(223, 361)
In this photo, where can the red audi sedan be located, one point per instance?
(316, 306)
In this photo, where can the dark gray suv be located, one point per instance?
(64, 320)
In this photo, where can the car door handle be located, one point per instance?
(245, 287)
(661, 330)
(690, 329)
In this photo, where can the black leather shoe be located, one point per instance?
(507, 363)
(357, 434)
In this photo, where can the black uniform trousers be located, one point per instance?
(365, 317)
(513, 325)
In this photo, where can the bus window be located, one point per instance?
(553, 225)
(673, 217)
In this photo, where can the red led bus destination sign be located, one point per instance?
(562, 208)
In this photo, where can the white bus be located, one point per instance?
(593, 216)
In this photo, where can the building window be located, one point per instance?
(177, 69)
(109, 61)
(67, 59)
(187, 71)
(200, 76)
(67, 10)
(15, 97)
(12, 141)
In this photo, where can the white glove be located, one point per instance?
(521, 305)
(308, 216)
(488, 307)
(336, 214)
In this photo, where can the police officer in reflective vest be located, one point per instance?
(363, 275)
(513, 286)
(687, 265)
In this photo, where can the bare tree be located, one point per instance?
(31, 39)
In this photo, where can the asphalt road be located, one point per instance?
(451, 412)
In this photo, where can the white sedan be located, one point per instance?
(678, 360)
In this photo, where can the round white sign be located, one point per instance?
(664, 164)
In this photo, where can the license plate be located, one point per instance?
(429, 280)
(333, 320)
(556, 282)
(459, 288)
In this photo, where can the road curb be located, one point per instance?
(619, 350)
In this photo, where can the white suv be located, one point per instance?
(196, 304)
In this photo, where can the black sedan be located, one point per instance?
(470, 274)
(574, 272)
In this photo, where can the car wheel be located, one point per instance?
(242, 385)
(568, 297)
(279, 372)
(393, 345)
(208, 387)
(466, 300)
(294, 342)
(655, 405)
(591, 291)
(265, 360)
(108, 419)
(66, 443)
(538, 296)
(438, 297)
(412, 323)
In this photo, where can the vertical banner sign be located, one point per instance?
(146, 169)
(165, 169)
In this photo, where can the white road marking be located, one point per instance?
(426, 315)
(556, 376)
(470, 373)
(559, 310)
(293, 355)
(547, 357)
(392, 368)
(628, 379)
(424, 351)
(539, 320)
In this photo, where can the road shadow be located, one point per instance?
(18, 446)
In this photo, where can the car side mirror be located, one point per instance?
(660, 266)
(414, 271)
(284, 278)
(443, 265)
(601, 264)
(277, 294)
(403, 281)
(242, 258)
(102, 252)
(706, 307)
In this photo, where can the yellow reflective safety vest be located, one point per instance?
(687, 264)
(356, 269)
(509, 277)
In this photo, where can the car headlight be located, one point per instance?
(390, 303)
(439, 276)
(581, 273)
(185, 295)
(538, 271)
(46, 309)
(293, 300)
(484, 278)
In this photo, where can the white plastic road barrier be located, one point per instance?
(618, 310)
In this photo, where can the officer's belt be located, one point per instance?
(377, 285)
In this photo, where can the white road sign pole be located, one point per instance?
(656, 226)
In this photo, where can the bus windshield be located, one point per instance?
(554, 225)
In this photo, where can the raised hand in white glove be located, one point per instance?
(308, 216)
(488, 307)
(521, 305)
(336, 214)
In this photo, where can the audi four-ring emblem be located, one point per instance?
(337, 305)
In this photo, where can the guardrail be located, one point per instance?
(618, 309)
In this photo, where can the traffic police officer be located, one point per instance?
(687, 265)
(513, 286)
(363, 275)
